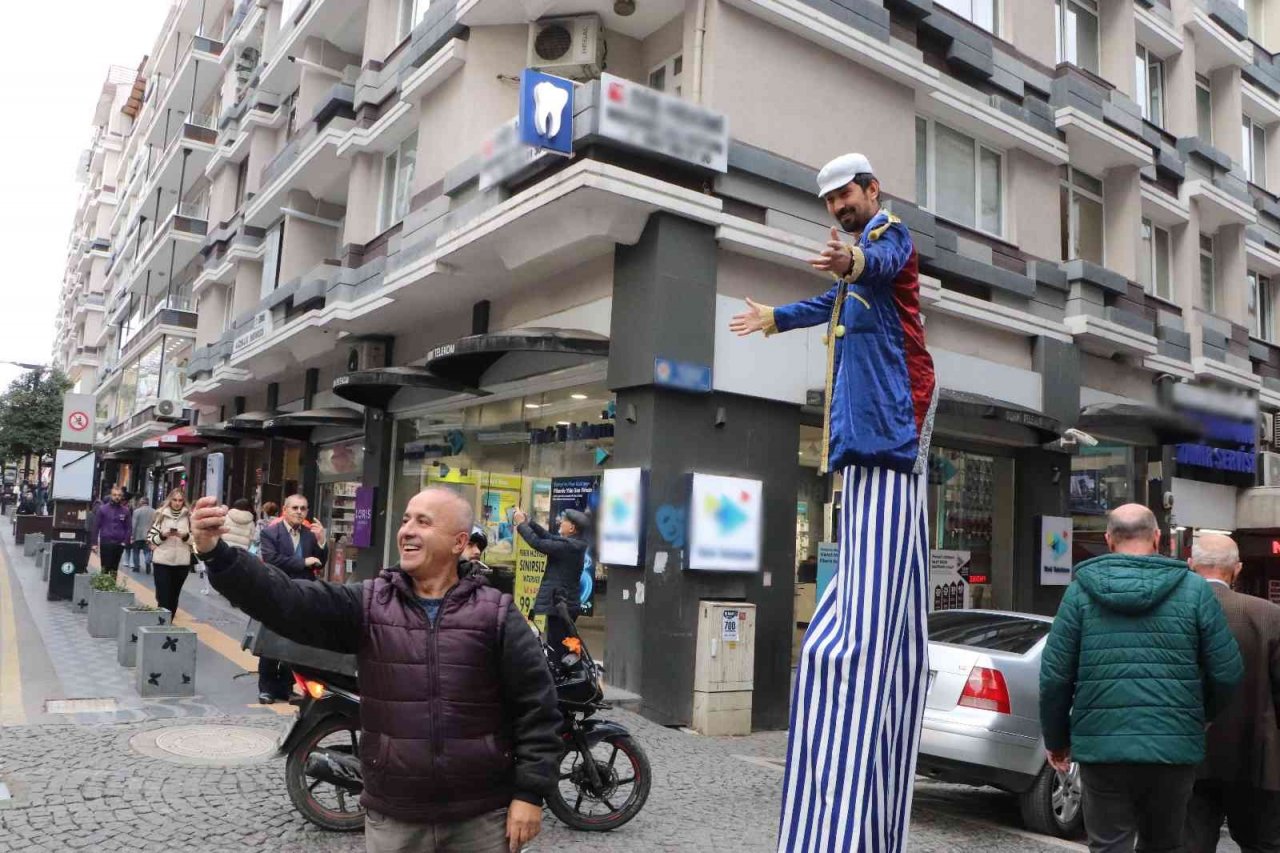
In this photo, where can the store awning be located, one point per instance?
(337, 416)
(222, 433)
(480, 361)
(377, 388)
(1134, 423)
(128, 454)
(251, 420)
(175, 440)
(962, 404)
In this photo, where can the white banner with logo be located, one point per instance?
(726, 522)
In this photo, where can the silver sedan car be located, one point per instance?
(982, 715)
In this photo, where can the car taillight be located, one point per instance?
(986, 690)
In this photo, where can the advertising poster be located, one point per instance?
(530, 567)
(499, 497)
(1055, 550)
(620, 523)
(726, 523)
(828, 559)
(949, 581)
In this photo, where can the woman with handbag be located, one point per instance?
(171, 557)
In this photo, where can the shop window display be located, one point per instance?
(1101, 479)
(962, 500)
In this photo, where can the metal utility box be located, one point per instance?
(723, 678)
(67, 560)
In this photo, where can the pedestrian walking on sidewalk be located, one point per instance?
(1240, 777)
(112, 530)
(1138, 661)
(458, 711)
(171, 557)
(143, 515)
(860, 687)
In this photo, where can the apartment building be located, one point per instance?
(326, 266)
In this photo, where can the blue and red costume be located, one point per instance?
(860, 689)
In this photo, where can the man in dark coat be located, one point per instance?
(1240, 777)
(300, 551)
(458, 710)
(566, 555)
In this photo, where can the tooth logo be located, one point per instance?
(548, 106)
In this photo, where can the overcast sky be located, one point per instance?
(58, 55)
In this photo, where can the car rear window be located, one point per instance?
(993, 632)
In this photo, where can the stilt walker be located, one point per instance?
(860, 692)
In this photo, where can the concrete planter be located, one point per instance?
(131, 619)
(80, 594)
(166, 661)
(104, 612)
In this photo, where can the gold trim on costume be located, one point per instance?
(859, 264)
(836, 308)
(770, 325)
(877, 233)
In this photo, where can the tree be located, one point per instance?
(31, 415)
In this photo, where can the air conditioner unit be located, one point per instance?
(169, 409)
(568, 47)
(366, 355)
(1269, 469)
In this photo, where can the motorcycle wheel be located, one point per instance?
(334, 808)
(624, 786)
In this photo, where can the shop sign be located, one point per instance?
(79, 412)
(531, 565)
(726, 524)
(621, 519)
(503, 158)
(362, 525)
(580, 493)
(682, 375)
(260, 328)
(949, 581)
(1273, 591)
(546, 112)
(1055, 550)
(1217, 458)
(656, 123)
(828, 562)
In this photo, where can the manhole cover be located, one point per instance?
(221, 746)
(79, 706)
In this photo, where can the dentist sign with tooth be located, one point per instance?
(546, 112)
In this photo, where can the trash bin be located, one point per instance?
(68, 560)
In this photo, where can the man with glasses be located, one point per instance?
(300, 549)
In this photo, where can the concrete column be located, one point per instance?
(1119, 42)
(1029, 25)
(1040, 487)
(210, 310)
(307, 483)
(248, 289)
(1231, 269)
(1180, 91)
(1272, 178)
(1228, 110)
(377, 461)
(1122, 219)
(363, 196)
(664, 305)
(1186, 274)
(1058, 364)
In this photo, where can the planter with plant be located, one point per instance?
(131, 619)
(106, 597)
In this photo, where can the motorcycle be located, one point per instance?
(322, 749)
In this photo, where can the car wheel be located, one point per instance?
(1054, 804)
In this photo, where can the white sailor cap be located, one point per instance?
(841, 171)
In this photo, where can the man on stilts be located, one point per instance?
(860, 690)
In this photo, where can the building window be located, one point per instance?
(1260, 306)
(1081, 212)
(1153, 261)
(1149, 75)
(668, 76)
(397, 181)
(1255, 151)
(1208, 291)
(242, 178)
(983, 13)
(1076, 27)
(410, 15)
(961, 179)
(1204, 109)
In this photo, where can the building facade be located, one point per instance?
(322, 264)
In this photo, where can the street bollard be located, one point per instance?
(166, 661)
(131, 619)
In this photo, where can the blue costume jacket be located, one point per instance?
(880, 380)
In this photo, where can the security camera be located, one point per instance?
(1072, 437)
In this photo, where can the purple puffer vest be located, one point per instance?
(436, 744)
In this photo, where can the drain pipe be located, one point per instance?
(699, 40)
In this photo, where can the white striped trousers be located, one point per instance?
(860, 691)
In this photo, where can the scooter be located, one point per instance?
(595, 791)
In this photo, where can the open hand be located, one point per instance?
(1059, 759)
(524, 822)
(749, 321)
(836, 258)
(318, 531)
(208, 523)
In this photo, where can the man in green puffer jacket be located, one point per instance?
(1138, 662)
